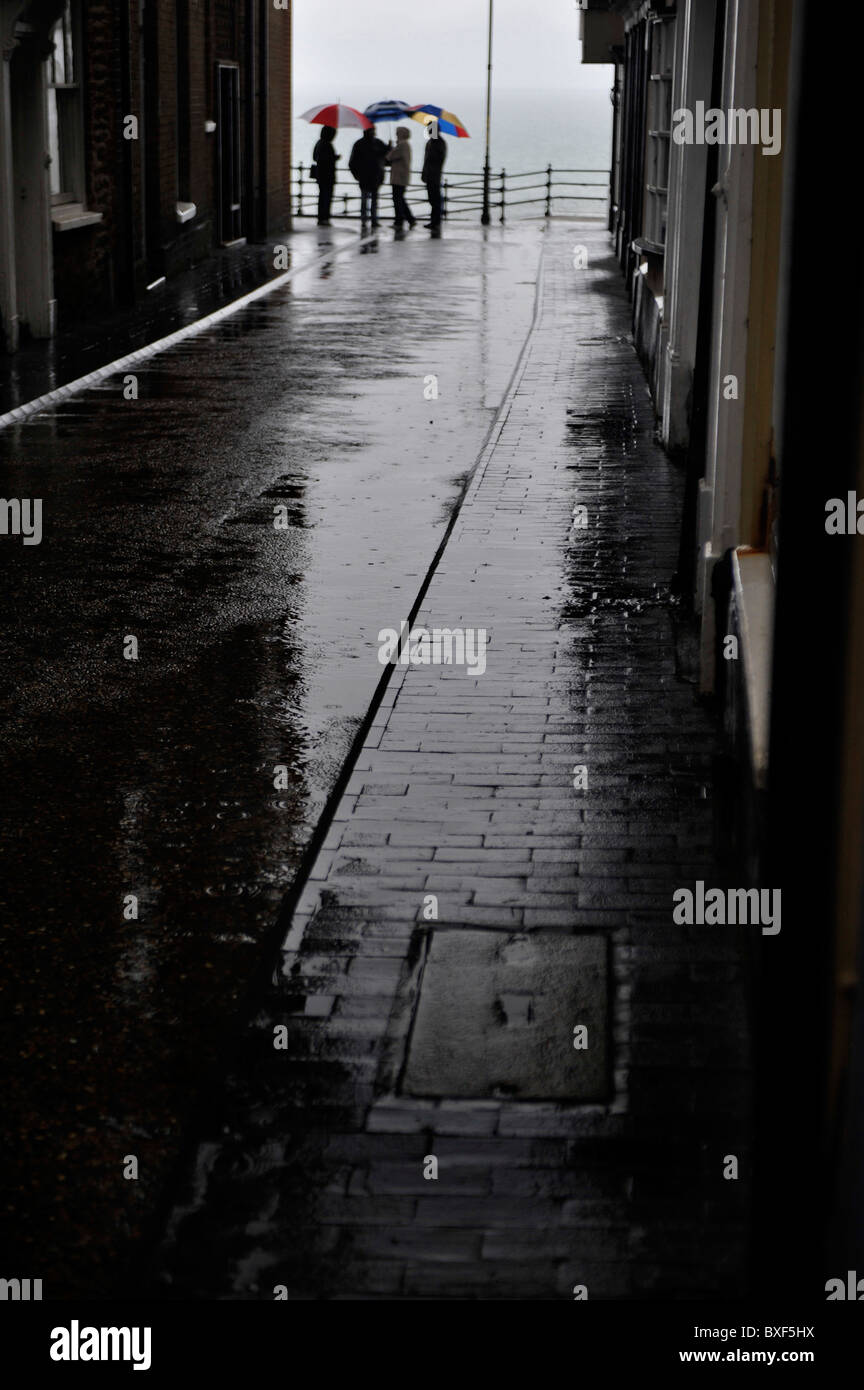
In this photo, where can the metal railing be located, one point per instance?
(462, 193)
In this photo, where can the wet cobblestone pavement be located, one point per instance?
(44, 365)
(257, 649)
(316, 1182)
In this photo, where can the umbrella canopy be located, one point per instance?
(448, 124)
(335, 114)
(388, 110)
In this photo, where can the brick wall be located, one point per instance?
(95, 268)
(279, 121)
(201, 108)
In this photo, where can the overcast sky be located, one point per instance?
(404, 46)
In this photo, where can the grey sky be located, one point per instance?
(400, 47)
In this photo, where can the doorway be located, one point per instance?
(33, 258)
(228, 171)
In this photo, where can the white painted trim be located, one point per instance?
(67, 216)
(754, 599)
(685, 225)
(708, 628)
(734, 232)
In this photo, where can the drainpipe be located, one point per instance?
(616, 132)
(126, 220)
(249, 123)
(263, 109)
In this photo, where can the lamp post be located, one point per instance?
(485, 218)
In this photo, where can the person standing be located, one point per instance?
(433, 163)
(399, 160)
(324, 157)
(367, 166)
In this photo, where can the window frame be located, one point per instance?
(660, 45)
(66, 122)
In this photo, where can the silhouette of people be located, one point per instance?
(367, 166)
(433, 163)
(325, 157)
(399, 159)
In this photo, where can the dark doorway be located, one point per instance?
(32, 210)
(229, 180)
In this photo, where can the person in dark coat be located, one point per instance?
(324, 157)
(367, 166)
(433, 163)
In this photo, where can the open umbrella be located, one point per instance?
(387, 110)
(335, 114)
(448, 124)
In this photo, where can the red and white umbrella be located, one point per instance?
(335, 114)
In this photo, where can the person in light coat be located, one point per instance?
(399, 159)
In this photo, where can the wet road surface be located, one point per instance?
(490, 1064)
(153, 778)
(43, 365)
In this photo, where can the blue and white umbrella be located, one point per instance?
(387, 111)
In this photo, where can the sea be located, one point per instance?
(570, 129)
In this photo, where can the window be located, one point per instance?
(65, 134)
(660, 39)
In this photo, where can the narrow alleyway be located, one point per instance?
(477, 901)
(155, 778)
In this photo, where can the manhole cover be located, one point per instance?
(497, 1016)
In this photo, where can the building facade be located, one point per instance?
(134, 139)
(726, 119)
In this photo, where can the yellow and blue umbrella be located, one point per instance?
(448, 124)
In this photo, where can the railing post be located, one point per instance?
(503, 192)
(548, 190)
(446, 190)
(300, 190)
(487, 174)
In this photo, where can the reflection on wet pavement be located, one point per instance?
(147, 786)
(488, 1062)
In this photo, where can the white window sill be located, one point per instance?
(67, 216)
(754, 595)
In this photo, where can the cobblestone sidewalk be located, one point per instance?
(464, 791)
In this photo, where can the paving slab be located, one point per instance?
(497, 1017)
